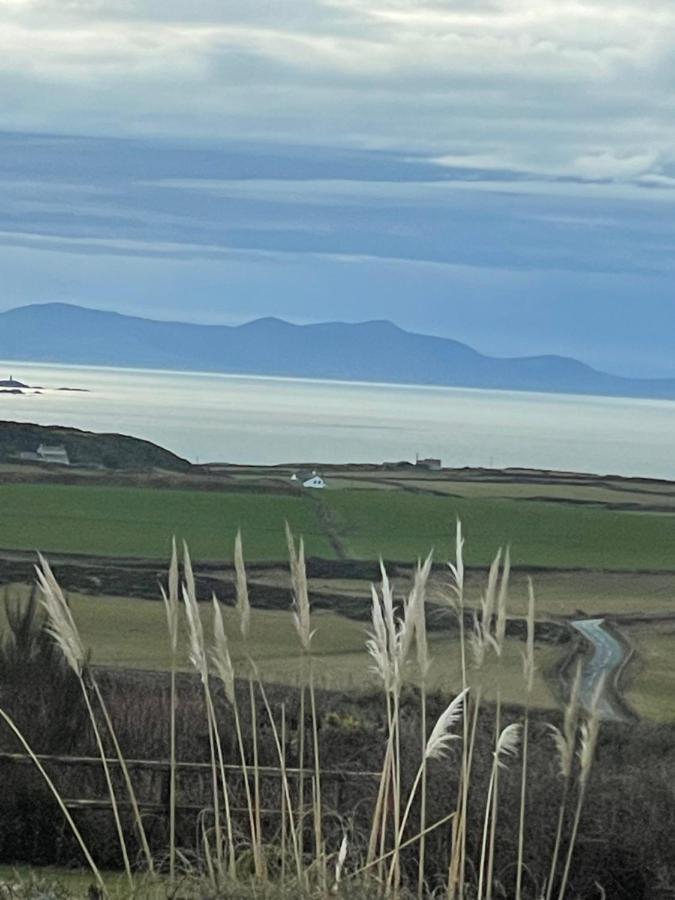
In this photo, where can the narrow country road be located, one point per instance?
(607, 657)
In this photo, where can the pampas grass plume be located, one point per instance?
(241, 585)
(220, 655)
(441, 735)
(508, 743)
(60, 623)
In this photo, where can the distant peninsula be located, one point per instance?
(12, 386)
(368, 351)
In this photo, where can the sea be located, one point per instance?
(266, 421)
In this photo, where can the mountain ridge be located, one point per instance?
(371, 351)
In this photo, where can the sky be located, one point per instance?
(497, 171)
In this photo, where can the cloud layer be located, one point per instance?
(572, 87)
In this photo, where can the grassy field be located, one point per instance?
(132, 633)
(651, 679)
(355, 523)
(404, 525)
(115, 521)
(361, 523)
(593, 593)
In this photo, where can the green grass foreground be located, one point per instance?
(354, 523)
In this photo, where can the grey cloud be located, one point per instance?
(552, 84)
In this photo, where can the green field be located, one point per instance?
(592, 593)
(131, 633)
(651, 678)
(404, 525)
(355, 523)
(114, 521)
(361, 522)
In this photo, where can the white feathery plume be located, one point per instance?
(390, 640)
(377, 643)
(171, 601)
(457, 568)
(339, 865)
(589, 734)
(502, 601)
(565, 740)
(564, 756)
(189, 574)
(589, 738)
(301, 608)
(243, 603)
(197, 652)
(441, 736)
(173, 572)
(418, 599)
(489, 599)
(529, 667)
(220, 655)
(494, 599)
(477, 642)
(60, 623)
(388, 605)
(508, 743)
(405, 630)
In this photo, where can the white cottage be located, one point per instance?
(308, 479)
(50, 453)
(314, 481)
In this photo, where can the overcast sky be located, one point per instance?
(501, 171)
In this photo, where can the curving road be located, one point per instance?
(607, 657)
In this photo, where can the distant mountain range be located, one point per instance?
(370, 351)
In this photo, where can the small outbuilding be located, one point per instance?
(51, 453)
(433, 465)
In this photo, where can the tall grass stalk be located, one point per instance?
(253, 706)
(480, 641)
(303, 627)
(243, 608)
(528, 676)
(565, 742)
(499, 639)
(171, 607)
(222, 663)
(62, 627)
(435, 748)
(281, 754)
(589, 738)
(507, 745)
(138, 819)
(379, 817)
(389, 644)
(316, 794)
(456, 865)
(418, 599)
(378, 861)
(301, 623)
(282, 765)
(199, 659)
(57, 796)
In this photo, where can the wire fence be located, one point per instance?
(163, 767)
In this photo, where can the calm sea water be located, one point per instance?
(272, 420)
